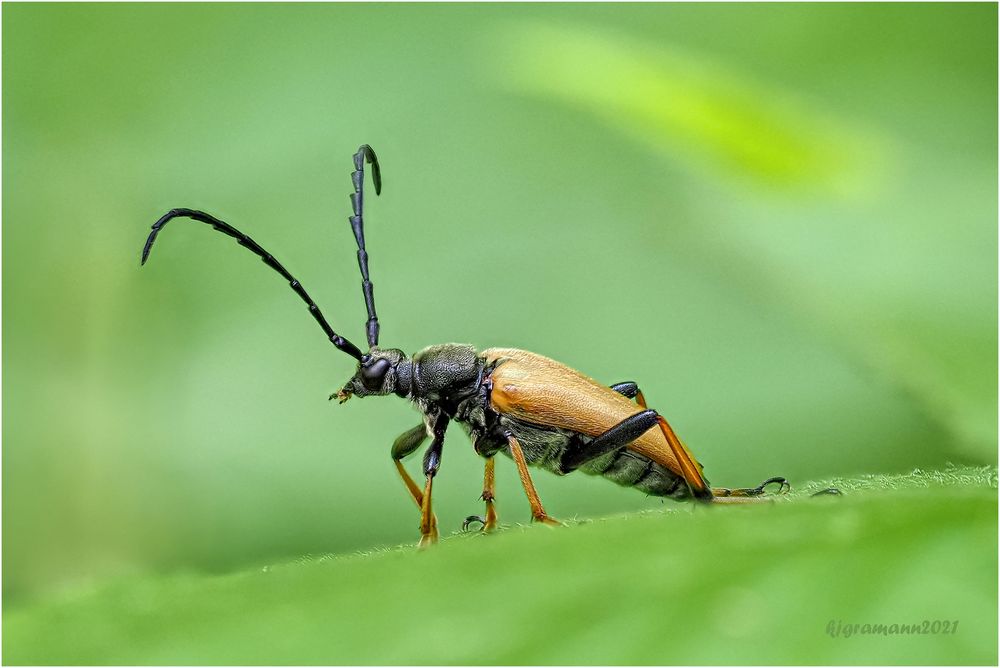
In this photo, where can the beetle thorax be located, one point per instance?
(445, 373)
(438, 374)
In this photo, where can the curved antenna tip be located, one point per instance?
(372, 159)
(148, 247)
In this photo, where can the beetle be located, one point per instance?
(538, 412)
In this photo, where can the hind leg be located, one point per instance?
(760, 489)
(634, 426)
(628, 430)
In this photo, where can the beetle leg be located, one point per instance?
(472, 519)
(489, 522)
(690, 469)
(690, 466)
(748, 493)
(489, 488)
(432, 461)
(783, 487)
(489, 495)
(405, 445)
(631, 390)
(613, 439)
(628, 430)
(537, 511)
(428, 521)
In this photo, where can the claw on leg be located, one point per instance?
(473, 519)
(783, 485)
(759, 490)
(489, 522)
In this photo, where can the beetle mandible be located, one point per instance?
(533, 409)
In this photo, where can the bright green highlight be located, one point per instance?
(689, 106)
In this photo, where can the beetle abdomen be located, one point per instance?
(630, 469)
(544, 448)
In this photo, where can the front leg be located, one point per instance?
(406, 444)
(437, 424)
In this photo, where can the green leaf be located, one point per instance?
(763, 583)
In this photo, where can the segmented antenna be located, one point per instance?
(358, 225)
(340, 342)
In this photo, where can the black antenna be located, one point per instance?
(340, 342)
(358, 225)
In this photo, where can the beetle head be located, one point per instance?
(380, 372)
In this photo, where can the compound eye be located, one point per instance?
(373, 374)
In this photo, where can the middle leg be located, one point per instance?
(489, 522)
(537, 511)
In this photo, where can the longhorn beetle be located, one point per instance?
(532, 409)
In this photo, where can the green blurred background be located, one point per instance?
(780, 219)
